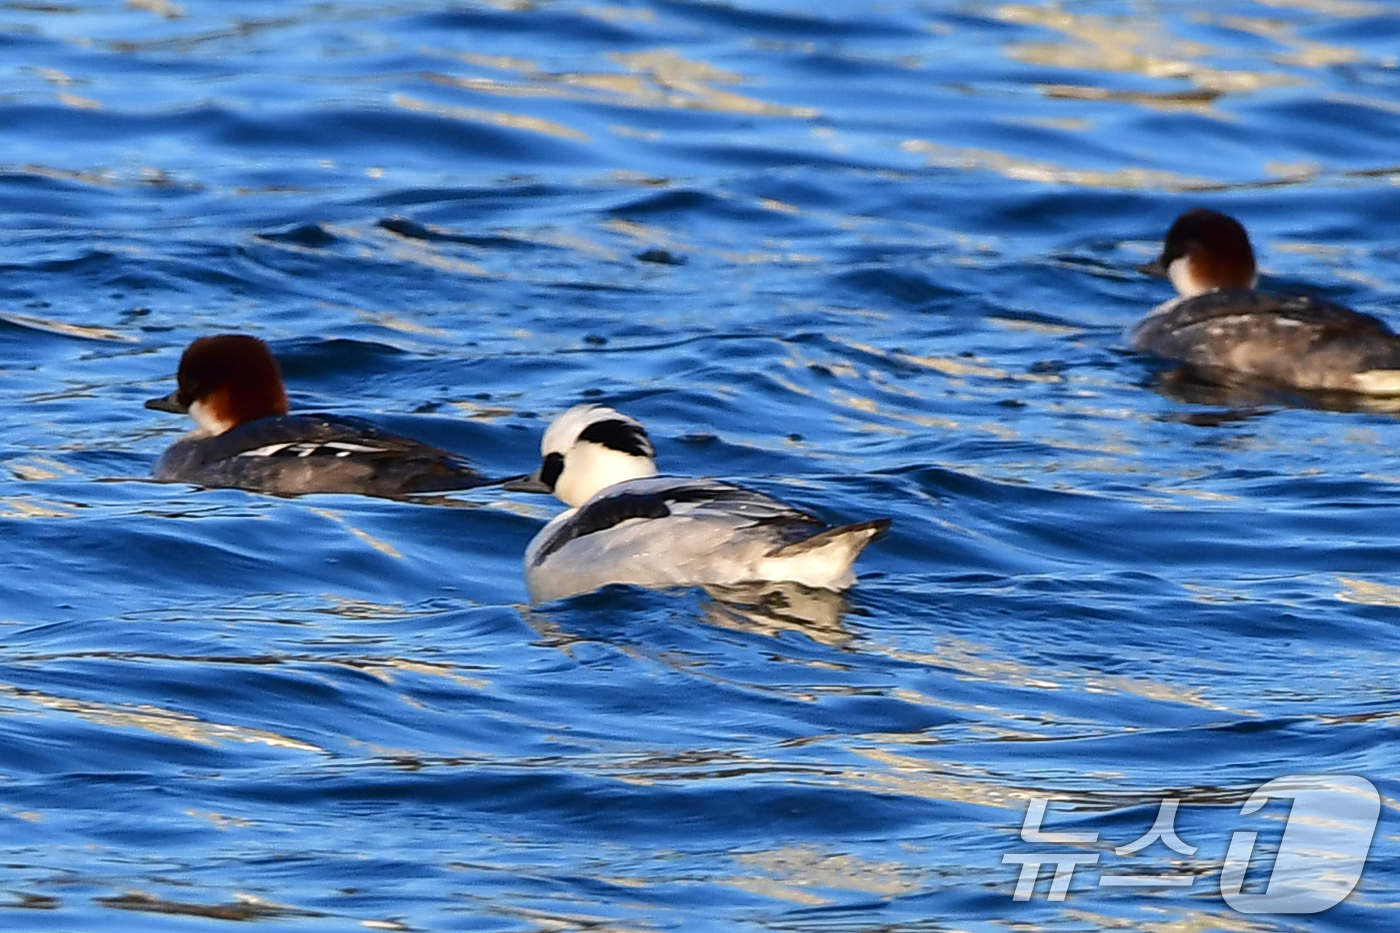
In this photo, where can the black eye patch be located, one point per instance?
(615, 434)
(551, 468)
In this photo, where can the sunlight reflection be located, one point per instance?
(66, 329)
(385, 670)
(156, 720)
(792, 872)
(383, 547)
(1132, 45)
(968, 159)
(162, 8)
(659, 78)
(1367, 592)
(1306, 54)
(974, 661)
(495, 117)
(29, 507)
(39, 469)
(1180, 921)
(391, 321)
(619, 14)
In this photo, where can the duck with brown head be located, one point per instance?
(1224, 329)
(245, 438)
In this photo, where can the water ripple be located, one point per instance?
(873, 260)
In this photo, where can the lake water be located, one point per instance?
(875, 258)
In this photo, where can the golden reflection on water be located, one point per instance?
(619, 14)
(379, 544)
(1341, 262)
(1043, 172)
(79, 103)
(221, 821)
(970, 661)
(494, 117)
(647, 235)
(52, 75)
(687, 84)
(1339, 8)
(1368, 592)
(62, 80)
(1180, 920)
(1305, 52)
(657, 78)
(30, 507)
(162, 8)
(391, 321)
(1043, 328)
(386, 670)
(927, 779)
(156, 720)
(67, 329)
(1132, 45)
(791, 872)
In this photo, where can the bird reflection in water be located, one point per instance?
(1238, 398)
(774, 607)
(763, 608)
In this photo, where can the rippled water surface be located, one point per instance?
(874, 258)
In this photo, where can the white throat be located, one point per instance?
(208, 420)
(1186, 284)
(590, 467)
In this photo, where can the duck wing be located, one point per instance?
(662, 497)
(1300, 310)
(377, 460)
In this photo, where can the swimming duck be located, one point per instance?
(245, 438)
(626, 524)
(1223, 328)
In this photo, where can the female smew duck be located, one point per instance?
(1221, 327)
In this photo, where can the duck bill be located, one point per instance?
(1155, 268)
(170, 403)
(528, 483)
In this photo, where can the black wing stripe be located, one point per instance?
(604, 514)
(613, 510)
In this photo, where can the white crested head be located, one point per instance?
(589, 448)
(1205, 250)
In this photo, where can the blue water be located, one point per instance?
(875, 259)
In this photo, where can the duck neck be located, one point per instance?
(591, 468)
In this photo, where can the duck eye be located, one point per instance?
(551, 468)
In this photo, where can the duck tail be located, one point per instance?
(1378, 382)
(824, 560)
